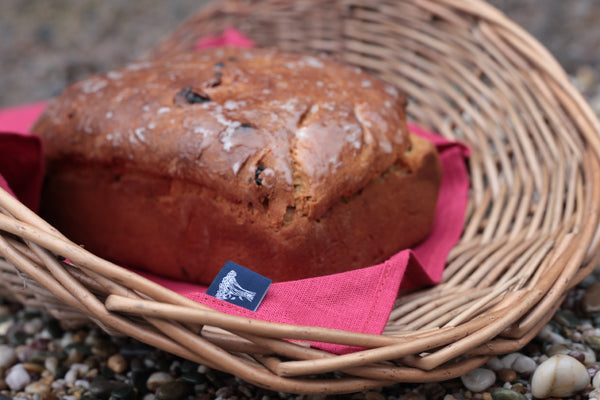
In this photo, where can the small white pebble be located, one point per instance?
(17, 377)
(76, 371)
(590, 355)
(594, 394)
(479, 379)
(4, 326)
(51, 364)
(66, 340)
(8, 356)
(44, 334)
(82, 383)
(33, 326)
(59, 384)
(202, 369)
(520, 363)
(576, 336)
(548, 335)
(596, 380)
(586, 324)
(149, 363)
(495, 364)
(559, 376)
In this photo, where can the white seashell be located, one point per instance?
(559, 376)
(479, 379)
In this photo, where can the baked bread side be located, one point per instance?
(291, 165)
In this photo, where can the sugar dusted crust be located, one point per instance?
(292, 165)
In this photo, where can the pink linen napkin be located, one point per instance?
(21, 165)
(358, 301)
(229, 37)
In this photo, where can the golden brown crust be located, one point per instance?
(291, 165)
(182, 230)
(341, 125)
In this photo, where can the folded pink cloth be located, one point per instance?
(21, 165)
(359, 300)
(229, 37)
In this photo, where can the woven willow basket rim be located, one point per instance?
(529, 236)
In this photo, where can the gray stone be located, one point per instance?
(104, 388)
(479, 379)
(507, 394)
(8, 356)
(520, 363)
(173, 391)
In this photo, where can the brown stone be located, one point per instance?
(117, 363)
(507, 375)
(591, 299)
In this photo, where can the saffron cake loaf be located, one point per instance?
(291, 165)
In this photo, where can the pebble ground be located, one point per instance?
(41, 361)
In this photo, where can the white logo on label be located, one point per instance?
(230, 289)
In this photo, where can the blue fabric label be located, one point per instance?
(240, 286)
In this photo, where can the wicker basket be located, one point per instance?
(529, 235)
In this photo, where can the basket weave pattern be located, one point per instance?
(470, 74)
